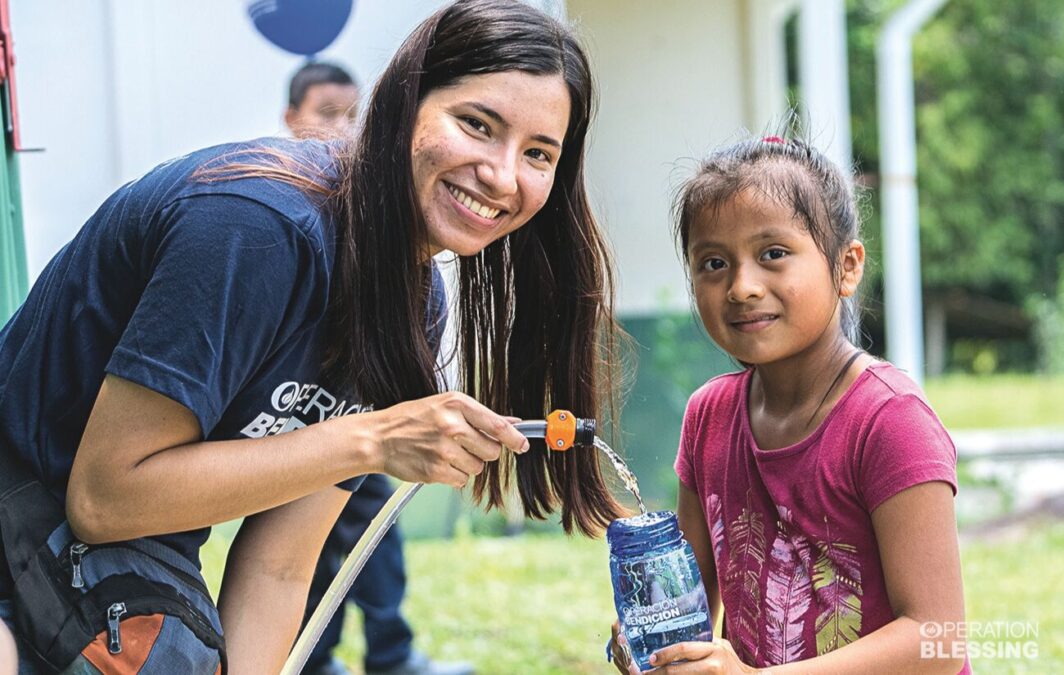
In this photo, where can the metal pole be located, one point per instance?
(825, 79)
(901, 225)
(339, 587)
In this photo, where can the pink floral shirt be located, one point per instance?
(797, 559)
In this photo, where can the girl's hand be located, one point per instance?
(445, 438)
(622, 657)
(716, 658)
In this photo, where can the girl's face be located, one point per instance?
(763, 288)
(484, 154)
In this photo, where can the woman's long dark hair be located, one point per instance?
(535, 312)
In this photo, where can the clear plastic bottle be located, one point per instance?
(657, 588)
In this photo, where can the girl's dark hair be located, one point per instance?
(794, 175)
(535, 310)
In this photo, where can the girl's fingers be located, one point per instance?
(727, 646)
(686, 651)
(622, 659)
(622, 655)
(711, 665)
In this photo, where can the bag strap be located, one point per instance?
(13, 471)
(28, 512)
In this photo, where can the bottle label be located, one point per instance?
(662, 595)
(661, 617)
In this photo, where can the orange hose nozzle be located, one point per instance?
(561, 430)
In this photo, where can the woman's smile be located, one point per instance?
(478, 212)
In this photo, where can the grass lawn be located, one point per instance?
(1020, 581)
(974, 402)
(542, 604)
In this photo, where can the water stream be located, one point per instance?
(625, 474)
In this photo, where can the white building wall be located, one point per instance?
(766, 61)
(62, 79)
(670, 76)
(109, 88)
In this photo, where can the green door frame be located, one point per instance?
(14, 280)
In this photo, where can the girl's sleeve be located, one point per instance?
(228, 280)
(906, 445)
(686, 457)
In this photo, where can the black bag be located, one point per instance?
(131, 606)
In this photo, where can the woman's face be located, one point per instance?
(484, 154)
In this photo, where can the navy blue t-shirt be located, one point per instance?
(212, 294)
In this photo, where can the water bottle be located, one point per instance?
(657, 588)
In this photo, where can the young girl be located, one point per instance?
(816, 485)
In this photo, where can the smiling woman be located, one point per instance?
(233, 307)
(484, 155)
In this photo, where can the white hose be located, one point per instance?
(339, 587)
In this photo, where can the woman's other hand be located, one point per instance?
(8, 653)
(446, 438)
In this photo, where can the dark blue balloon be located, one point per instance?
(302, 27)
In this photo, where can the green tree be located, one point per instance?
(990, 123)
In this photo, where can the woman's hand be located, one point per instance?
(445, 438)
(8, 653)
(716, 658)
(142, 468)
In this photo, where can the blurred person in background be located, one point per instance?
(322, 101)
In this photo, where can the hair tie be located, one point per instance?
(773, 139)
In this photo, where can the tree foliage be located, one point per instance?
(990, 127)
